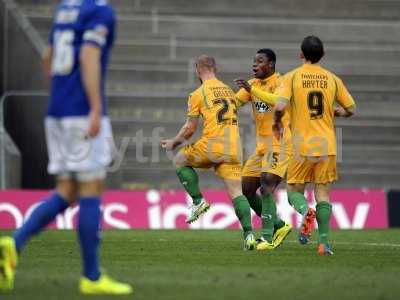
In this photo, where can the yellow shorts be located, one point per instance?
(270, 162)
(320, 169)
(225, 166)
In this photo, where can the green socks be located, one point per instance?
(242, 210)
(324, 210)
(298, 202)
(190, 181)
(268, 217)
(256, 205)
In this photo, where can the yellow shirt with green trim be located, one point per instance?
(311, 92)
(263, 114)
(216, 104)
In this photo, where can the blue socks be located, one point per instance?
(39, 219)
(89, 230)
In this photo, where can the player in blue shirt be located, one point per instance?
(79, 137)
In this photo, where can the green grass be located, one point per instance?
(212, 265)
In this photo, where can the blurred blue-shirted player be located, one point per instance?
(79, 137)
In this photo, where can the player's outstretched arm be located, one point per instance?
(264, 96)
(185, 133)
(90, 68)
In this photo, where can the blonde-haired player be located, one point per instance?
(219, 146)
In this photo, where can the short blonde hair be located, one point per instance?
(206, 62)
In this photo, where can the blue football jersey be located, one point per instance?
(77, 22)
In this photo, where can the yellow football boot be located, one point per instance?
(104, 286)
(265, 245)
(281, 234)
(8, 263)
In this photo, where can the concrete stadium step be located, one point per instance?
(308, 8)
(351, 179)
(152, 130)
(162, 87)
(226, 62)
(242, 49)
(366, 94)
(244, 65)
(138, 75)
(167, 108)
(292, 8)
(377, 121)
(176, 99)
(181, 50)
(276, 28)
(152, 99)
(366, 139)
(154, 114)
(129, 128)
(371, 168)
(173, 107)
(185, 87)
(374, 153)
(373, 109)
(378, 97)
(173, 112)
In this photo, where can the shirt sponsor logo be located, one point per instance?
(262, 107)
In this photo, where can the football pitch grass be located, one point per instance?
(193, 265)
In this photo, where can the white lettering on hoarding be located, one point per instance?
(14, 212)
(167, 215)
(109, 219)
(154, 211)
(69, 216)
(172, 213)
(343, 220)
(227, 217)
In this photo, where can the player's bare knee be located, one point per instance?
(179, 160)
(321, 192)
(68, 189)
(296, 187)
(91, 184)
(234, 188)
(91, 188)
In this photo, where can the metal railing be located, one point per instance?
(21, 51)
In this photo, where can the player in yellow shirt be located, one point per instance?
(266, 167)
(219, 146)
(309, 93)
